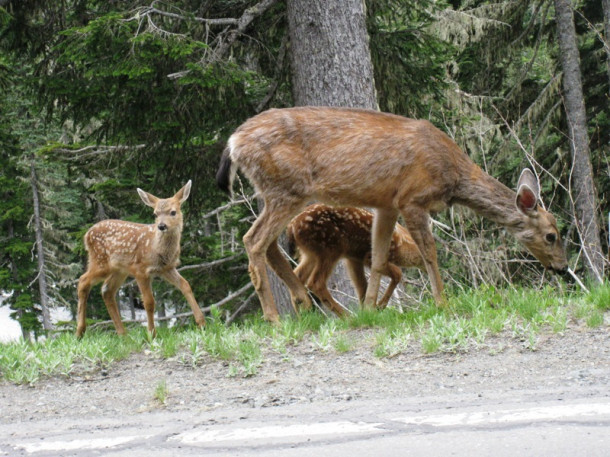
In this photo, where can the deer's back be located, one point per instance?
(348, 157)
(118, 244)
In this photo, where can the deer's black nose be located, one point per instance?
(162, 226)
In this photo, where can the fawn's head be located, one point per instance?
(539, 231)
(168, 216)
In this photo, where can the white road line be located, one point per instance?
(534, 414)
(72, 445)
(277, 431)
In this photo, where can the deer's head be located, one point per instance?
(168, 216)
(539, 231)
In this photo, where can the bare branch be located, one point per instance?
(222, 302)
(208, 265)
(242, 24)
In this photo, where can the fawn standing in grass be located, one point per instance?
(324, 234)
(118, 249)
(364, 158)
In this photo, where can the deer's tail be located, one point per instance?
(226, 171)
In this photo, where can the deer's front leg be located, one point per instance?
(176, 279)
(144, 283)
(383, 227)
(417, 222)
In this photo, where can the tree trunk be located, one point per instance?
(582, 173)
(330, 57)
(331, 66)
(27, 336)
(42, 278)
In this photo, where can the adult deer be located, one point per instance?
(365, 158)
(118, 249)
(324, 234)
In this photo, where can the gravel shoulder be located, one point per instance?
(574, 363)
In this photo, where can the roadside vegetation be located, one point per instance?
(472, 319)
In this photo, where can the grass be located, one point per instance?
(469, 321)
(161, 392)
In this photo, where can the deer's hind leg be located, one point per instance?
(148, 299)
(85, 282)
(109, 289)
(383, 227)
(261, 245)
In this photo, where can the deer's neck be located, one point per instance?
(167, 247)
(489, 198)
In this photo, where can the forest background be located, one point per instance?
(100, 97)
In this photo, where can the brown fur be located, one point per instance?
(325, 234)
(355, 157)
(118, 249)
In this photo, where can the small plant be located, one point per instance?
(600, 296)
(161, 392)
(392, 343)
(596, 319)
(343, 344)
(325, 336)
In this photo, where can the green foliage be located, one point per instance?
(471, 318)
(408, 59)
(88, 101)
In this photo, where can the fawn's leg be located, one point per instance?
(355, 269)
(144, 284)
(109, 289)
(85, 282)
(176, 279)
(383, 227)
(304, 268)
(395, 275)
(281, 266)
(318, 283)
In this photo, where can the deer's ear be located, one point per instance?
(184, 193)
(528, 191)
(148, 199)
(527, 201)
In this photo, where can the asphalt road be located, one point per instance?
(562, 423)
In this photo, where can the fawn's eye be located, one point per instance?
(155, 214)
(550, 237)
(172, 213)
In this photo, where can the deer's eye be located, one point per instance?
(550, 237)
(155, 214)
(172, 213)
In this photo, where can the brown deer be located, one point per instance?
(324, 234)
(365, 158)
(118, 249)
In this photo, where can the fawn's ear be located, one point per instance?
(148, 199)
(184, 193)
(528, 191)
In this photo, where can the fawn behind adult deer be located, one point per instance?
(324, 234)
(355, 157)
(118, 249)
